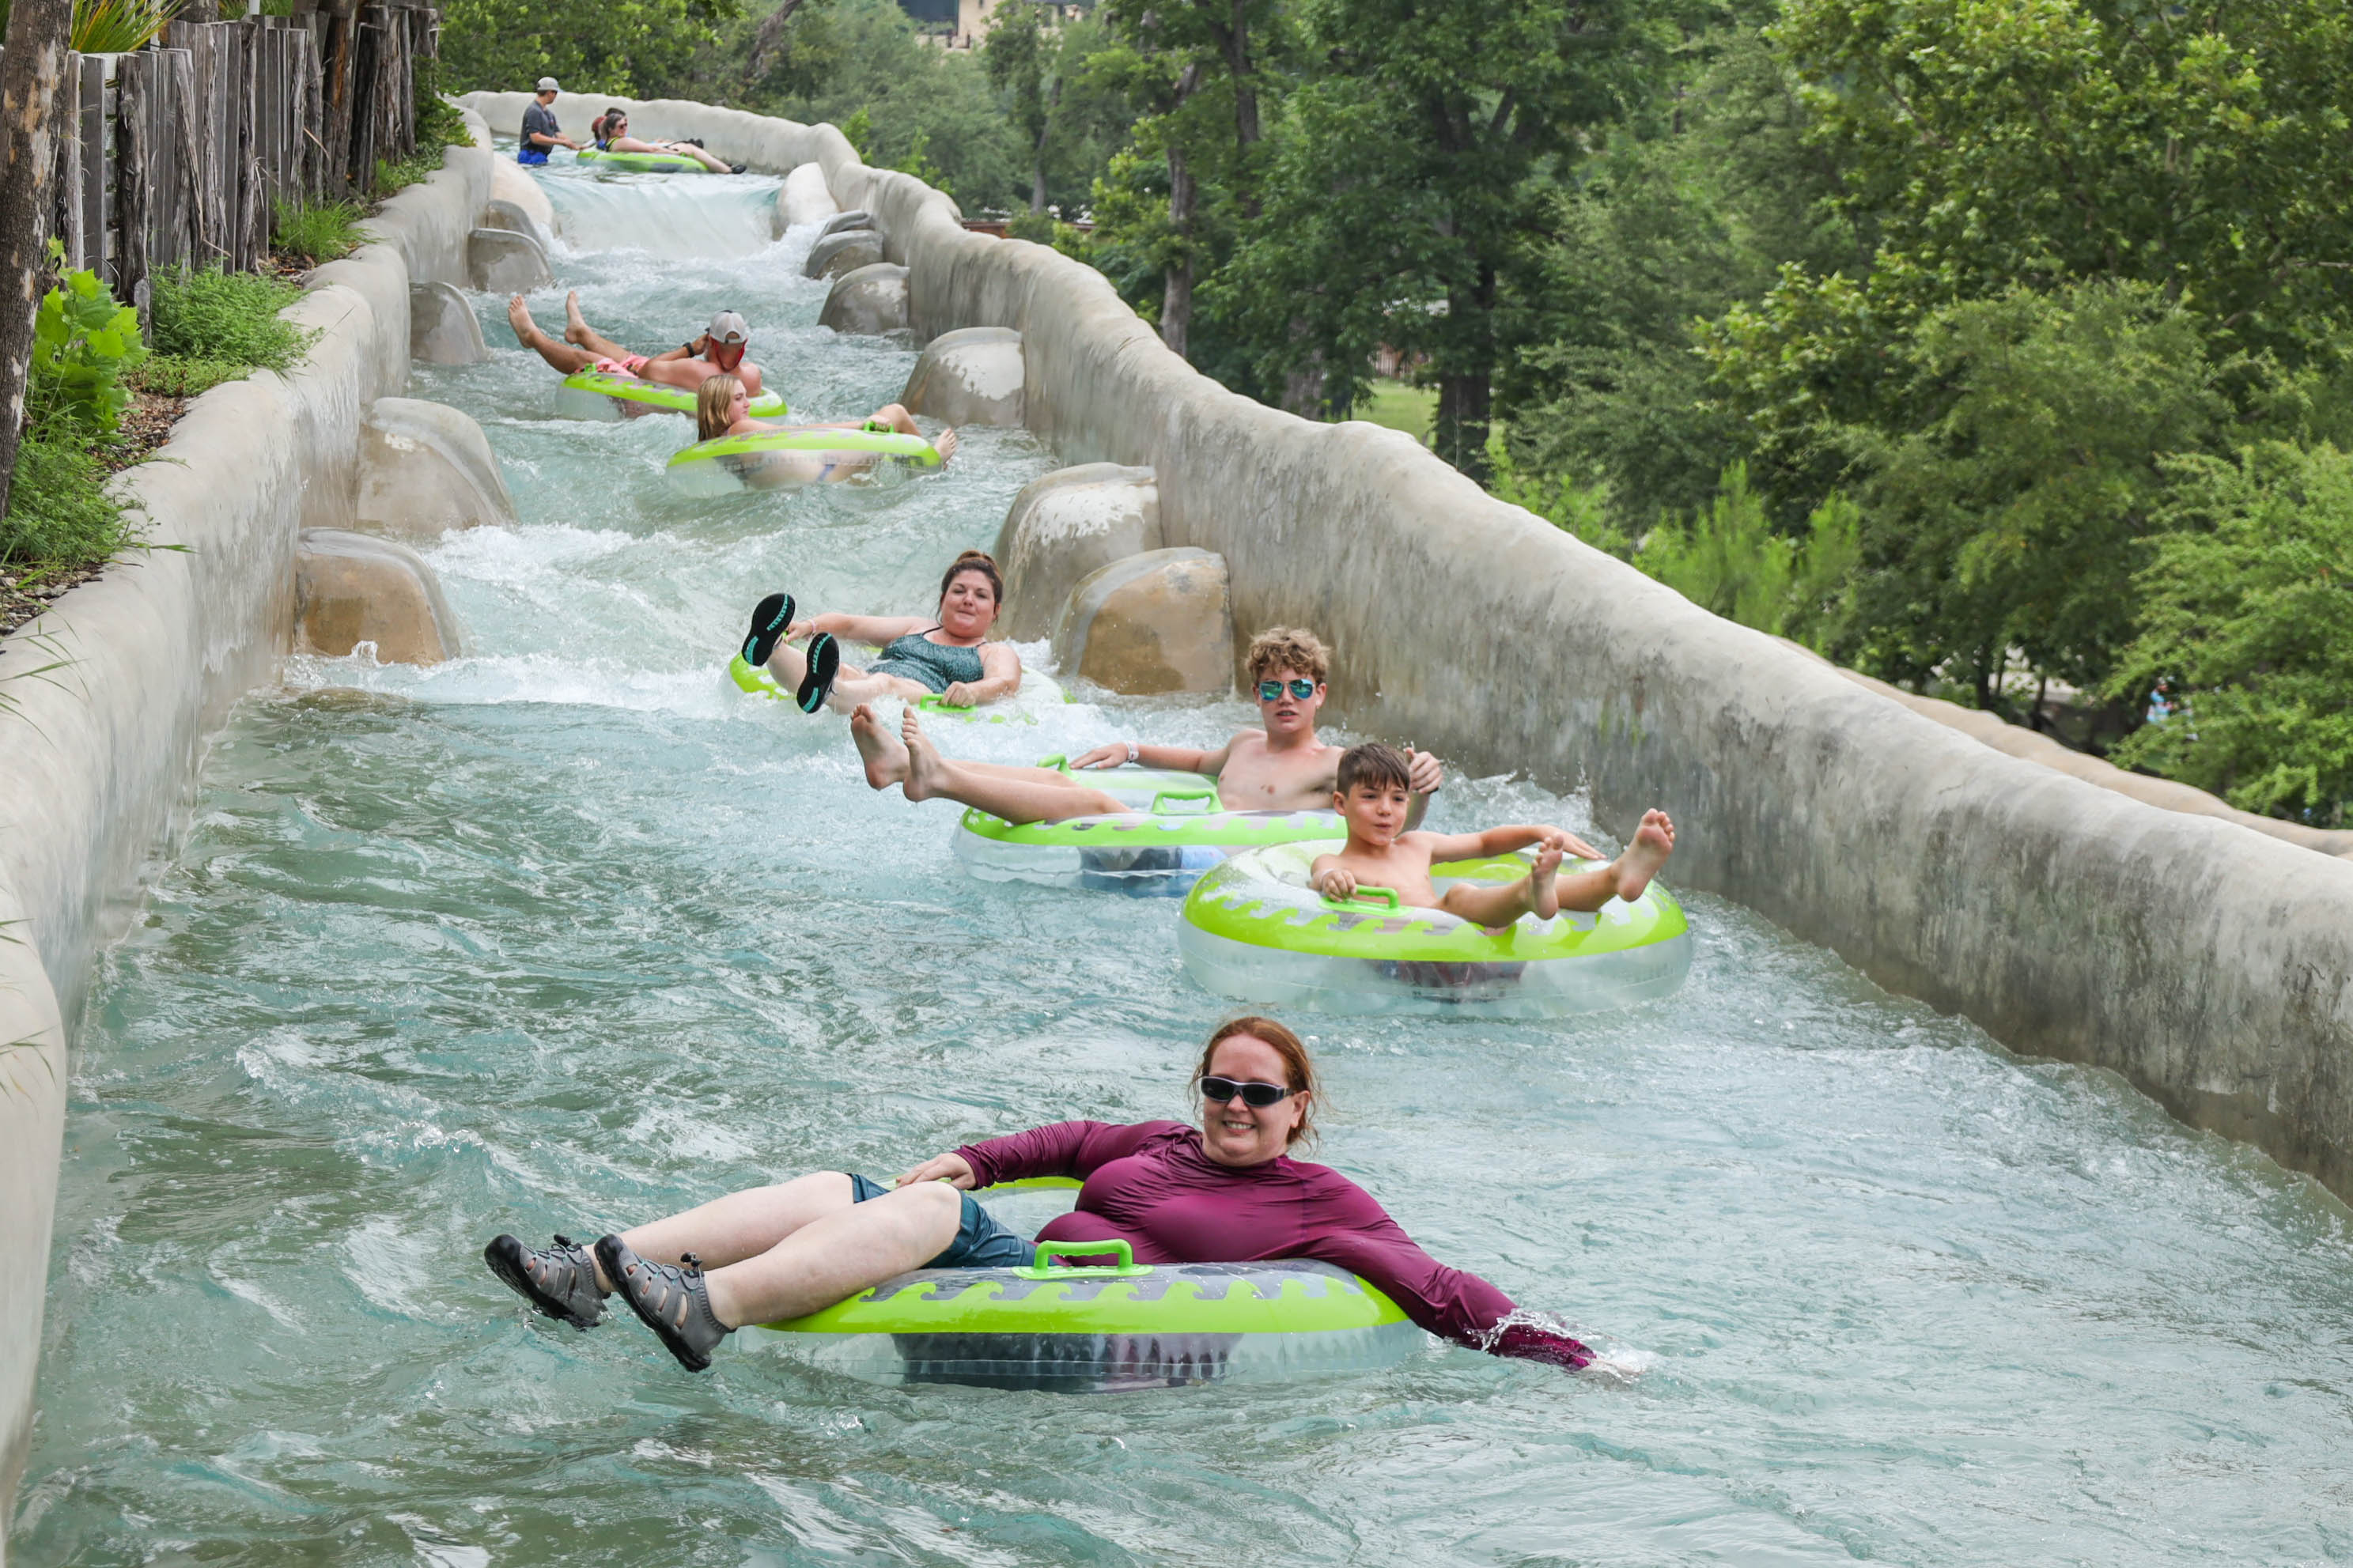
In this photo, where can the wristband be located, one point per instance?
(1133, 755)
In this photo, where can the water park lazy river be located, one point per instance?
(568, 931)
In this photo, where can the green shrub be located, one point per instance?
(84, 345)
(327, 231)
(116, 27)
(2248, 620)
(58, 512)
(212, 326)
(1727, 559)
(439, 126)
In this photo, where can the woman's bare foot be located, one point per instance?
(1543, 899)
(519, 318)
(1653, 842)
(927, 771)
(885, 756)
(944, 444)
(576, 325)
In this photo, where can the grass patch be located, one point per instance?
(212, 326)
(439, 126)
(314, 233)
(1396, 406)
(58, 512)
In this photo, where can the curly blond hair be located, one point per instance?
(1288, 647)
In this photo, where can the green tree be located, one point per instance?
(620, 47)
(1408, 179)
(2248, 620)
(1024, 56)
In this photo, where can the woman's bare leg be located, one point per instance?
(1042, 796)
(565, 357)
(577, 331)
(833, 1258)
(852, 685)
(740, 1225)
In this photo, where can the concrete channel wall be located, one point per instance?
(2209, 964)
(97, 754)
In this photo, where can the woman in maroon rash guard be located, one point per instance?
(1224, 1191)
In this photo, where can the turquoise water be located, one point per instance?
(566, 933)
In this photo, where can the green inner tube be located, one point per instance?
(813, 438)
(1176, 816)
(655, 393)
(1263, 900)
(644, 163)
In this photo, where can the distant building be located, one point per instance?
(962, 24)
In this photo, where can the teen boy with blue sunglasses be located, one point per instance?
(1279, 766)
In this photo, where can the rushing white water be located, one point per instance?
(567, 932)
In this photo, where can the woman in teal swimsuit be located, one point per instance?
(947, 656)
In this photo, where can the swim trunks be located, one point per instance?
(627, 364)
(934, 665)
(534, 156)
(982, 1241)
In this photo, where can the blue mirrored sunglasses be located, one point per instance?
(1268, 690)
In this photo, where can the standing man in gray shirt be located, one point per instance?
(540, 131)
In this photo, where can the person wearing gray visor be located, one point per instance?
(718, 351)
(540, 131)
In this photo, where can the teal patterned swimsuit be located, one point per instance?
(936, 665)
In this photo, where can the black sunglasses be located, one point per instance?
(1257, 1096)
(1268, 690)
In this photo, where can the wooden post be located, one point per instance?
(70, 206)
(187, 150)
(30, 78)
(134, 88)
(367, 55)
(91, 127)
(341, 23)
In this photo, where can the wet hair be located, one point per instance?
(979, 561)
(1288, 647)
(1298, 1072)
(711, 400)
(1381, 766)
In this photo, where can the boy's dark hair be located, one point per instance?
(1375, 764)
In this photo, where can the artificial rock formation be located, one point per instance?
(871, 300)
(509, 184)
(971, 376)
(442, 329)
(845, 251)
(424, 469)
(1064, 527)
(353, 588)
(1151, 623)
(856, 217)
(804, 198)
(501, 261)
(499, 213)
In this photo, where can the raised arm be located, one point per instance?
(1059, 1149)
(1425, 774)
(875, 629)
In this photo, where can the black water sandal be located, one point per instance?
(669, 1299)
(559, 1282)
(737, 168)
(824, 664)
(769, 619)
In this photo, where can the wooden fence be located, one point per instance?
(176, 154)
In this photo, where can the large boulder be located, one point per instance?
(1064, 527)
(871, 300)
(970, 376)
(509, 184)
(501, 261)
(353, 588)
(424, 469)
(1155, 623)
(442, 328)
(804, 198)
(856, 217)
(499, 213)
(843, 252)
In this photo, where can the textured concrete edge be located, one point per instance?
(2209, 964)
(96, 757)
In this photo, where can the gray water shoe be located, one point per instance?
(559, 1281)
(669, 1299)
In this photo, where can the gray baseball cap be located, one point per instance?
(547, 84)
(727, 327)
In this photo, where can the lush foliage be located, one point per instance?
(85, 345)
(210, 327)
(2248, 621)
(113, 27)
(616, 46)
(59, 512)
